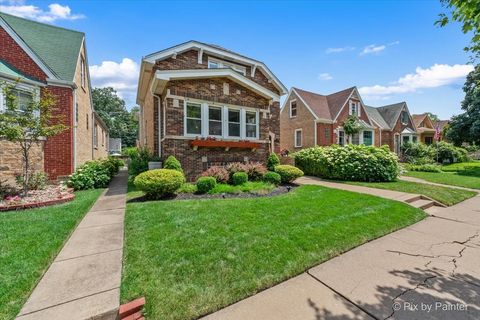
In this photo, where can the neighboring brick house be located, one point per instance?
(207, 105)
(35, 57)
(308, 119)
(425, 128)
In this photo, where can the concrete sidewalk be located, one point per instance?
(429, 270)
(83, 282)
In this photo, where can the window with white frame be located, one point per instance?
(215, 64)
(298, 138)
(233, 123)
(293, 108)
(356, 138)
(354, 108)
(404, 117)
(23, 99)
(193, 119)
(215, 121)
(341, 138)
(204, 119)
(2, 101)
(367, 138)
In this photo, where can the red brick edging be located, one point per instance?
(37, 204)
(132, 310)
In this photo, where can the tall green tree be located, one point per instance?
(467, 13)
(120, 122)
(433, 117)
(27, 121)
(465, 127)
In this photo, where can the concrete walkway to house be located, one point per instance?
(415, 200)
(429, 270)
(83, 282)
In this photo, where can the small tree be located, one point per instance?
(27, 125)
(351, 126)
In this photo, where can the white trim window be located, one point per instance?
(354, 108)
(367, 137)
(2, 101)
(215, 125)
(404, 117)
(293, 108)
(229, 122)
(219, 64)
(298, 138)
(193, 119)
(341, 138)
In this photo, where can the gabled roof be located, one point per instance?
(325, 107)
(441, 124)
(391, 113)
(56, 47)
(375, 115)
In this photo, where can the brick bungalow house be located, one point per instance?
(425, 128)
(207, 105)
(39, 56)
(308, 119)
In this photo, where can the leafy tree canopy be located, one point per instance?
(111, 108)
(433, 117)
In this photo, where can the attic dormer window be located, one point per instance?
(218, 64)
(404, 117)
(354, 108)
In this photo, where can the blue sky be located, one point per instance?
(391, 50)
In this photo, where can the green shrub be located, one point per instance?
(417, 153)
(255, 171)
(288, 173)
(92, 174)
(220, 174)
(272, 161)
(445, 152)
(205, 184)
(272, 177)
(139, 158)
(172, 163)
(424, 167)
(159, 183)
(352, 162)
(187, 188)
(37, 181)
(239, 178)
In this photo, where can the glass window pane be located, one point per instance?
(234, 116)
(251, 131)
(194, 126)
(215, 113)
(251, 117)
(215, 128)
(356, 139)
(367, 138)
(234, 129)
(194, 111)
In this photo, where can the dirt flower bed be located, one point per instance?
(51, 194)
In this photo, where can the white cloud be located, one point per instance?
(338, 50)
(375, 49)
(55, 11)
(437, 75)
(122, 76)
(325, 76)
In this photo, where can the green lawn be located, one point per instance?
(461, 166)
(192, 257)
(445, 195)
(460, 179)
(29, 241)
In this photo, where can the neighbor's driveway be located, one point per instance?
(430, 270)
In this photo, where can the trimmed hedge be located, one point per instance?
(239, 178)
(172, 163)
(95, 174)
(350, 163)
(205, 184)
(288, 173)
(272, 177)
(424, 167)
(272, 161)
(159, 183)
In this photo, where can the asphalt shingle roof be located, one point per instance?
(325, 106)
(57, 47)
(391, 113)
(375, 115)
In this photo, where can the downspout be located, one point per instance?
(75, 124)
(159, 103)
(315, 130)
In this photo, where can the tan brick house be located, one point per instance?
(425, 128)
(308, 119)
(35, 57)
(207, 105)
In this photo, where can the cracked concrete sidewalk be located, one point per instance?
(429, 270)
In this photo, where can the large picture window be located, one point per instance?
(194, 119)
(215, 121)
(233, 123)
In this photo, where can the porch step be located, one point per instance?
(422, 203)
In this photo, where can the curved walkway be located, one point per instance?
(83, 282)
(428, 270)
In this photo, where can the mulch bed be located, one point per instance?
(188, 196)
(50, 195)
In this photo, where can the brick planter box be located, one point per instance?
(24, 206)
(227, 145)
